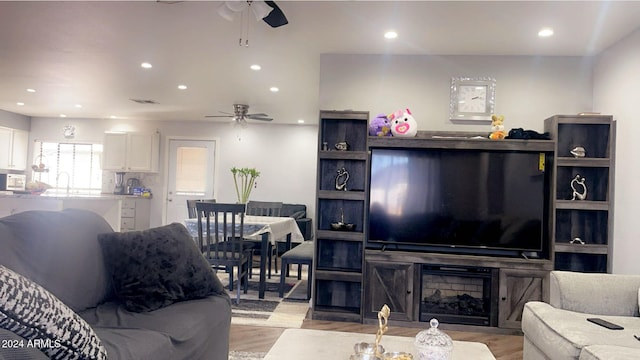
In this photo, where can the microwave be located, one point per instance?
(13, 182)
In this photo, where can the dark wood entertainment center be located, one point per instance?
(352, 281)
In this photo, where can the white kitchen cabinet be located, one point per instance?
(12, 205)
(13, 149)
(131, 152)
(135, 214)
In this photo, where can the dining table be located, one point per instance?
(267, 229)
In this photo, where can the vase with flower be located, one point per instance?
(244, 180)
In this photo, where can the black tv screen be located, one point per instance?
(454, 198)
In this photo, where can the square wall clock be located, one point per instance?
(472, 98)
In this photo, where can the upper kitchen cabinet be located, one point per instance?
(131, 152)
(14, 144)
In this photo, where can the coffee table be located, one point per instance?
(295, 344)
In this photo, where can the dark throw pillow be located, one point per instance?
(43, 321)
(153, 268)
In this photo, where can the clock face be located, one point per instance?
(472, 99)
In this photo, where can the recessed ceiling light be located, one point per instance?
(545, 32)
(63, 115)
(300, 121)
(274, 89)
(182, 87)
(113, 117)
(256, 67)
(20, 103)
(31, 90)
(390, 35)
(146, 65)
(78, 106)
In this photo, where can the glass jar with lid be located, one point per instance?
(433, 344)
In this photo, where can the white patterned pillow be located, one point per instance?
(43, 321)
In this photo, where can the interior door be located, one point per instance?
(191, 173)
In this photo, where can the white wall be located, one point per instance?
(284, 155)
(14, 121)
(528, 89)
(616, 92)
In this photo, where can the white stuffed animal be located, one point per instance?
(403, 124)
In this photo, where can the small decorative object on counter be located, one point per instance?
(497, 127)
(325, 146)
(342, 146)
(577, 240)
(433, 344)
(368, 351)
(578, 152)
(579, 188)
(341, 225)
(341, 179)
(380, 126)
(403, 124)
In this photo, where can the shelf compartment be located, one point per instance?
(339, 296)
(330, 210)
(595, 263)
(356, 169)
(582, 248)
(339, 255)
(590, 226)
(594, 138)
(335, 129)
(596, 181)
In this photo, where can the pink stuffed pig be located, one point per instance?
(403, 124)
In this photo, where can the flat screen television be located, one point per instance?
(479, 201)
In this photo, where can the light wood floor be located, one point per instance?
(261, 339)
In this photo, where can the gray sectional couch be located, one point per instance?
(560, 330)
(61, 251)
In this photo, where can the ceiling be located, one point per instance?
(89, 52)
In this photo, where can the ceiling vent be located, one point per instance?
(145, 101)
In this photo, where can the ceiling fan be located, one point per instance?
(240, 115)
(265, 10)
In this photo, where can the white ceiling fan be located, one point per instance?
(241, 115)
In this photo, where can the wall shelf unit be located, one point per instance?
(339, 255)
(589, 220)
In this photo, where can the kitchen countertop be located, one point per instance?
(62, 196)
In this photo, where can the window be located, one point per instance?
(68, 166)
(191, 176)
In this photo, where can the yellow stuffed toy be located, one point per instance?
(497, 128)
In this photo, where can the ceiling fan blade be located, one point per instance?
(258, 115)
(222, 116)
(261, 118)
(276, 17)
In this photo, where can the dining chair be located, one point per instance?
(265, 208)
(191, 206)
(220, 236)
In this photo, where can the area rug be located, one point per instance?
(274, 311)
(246, 355)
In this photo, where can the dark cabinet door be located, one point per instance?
(391, 284)
(517, 287)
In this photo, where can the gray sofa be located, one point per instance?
(299, 212)
(560, 330)
(63, 252)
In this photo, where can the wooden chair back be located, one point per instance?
(264, 208)
(191, 206)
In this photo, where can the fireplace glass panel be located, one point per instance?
(457, 295)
